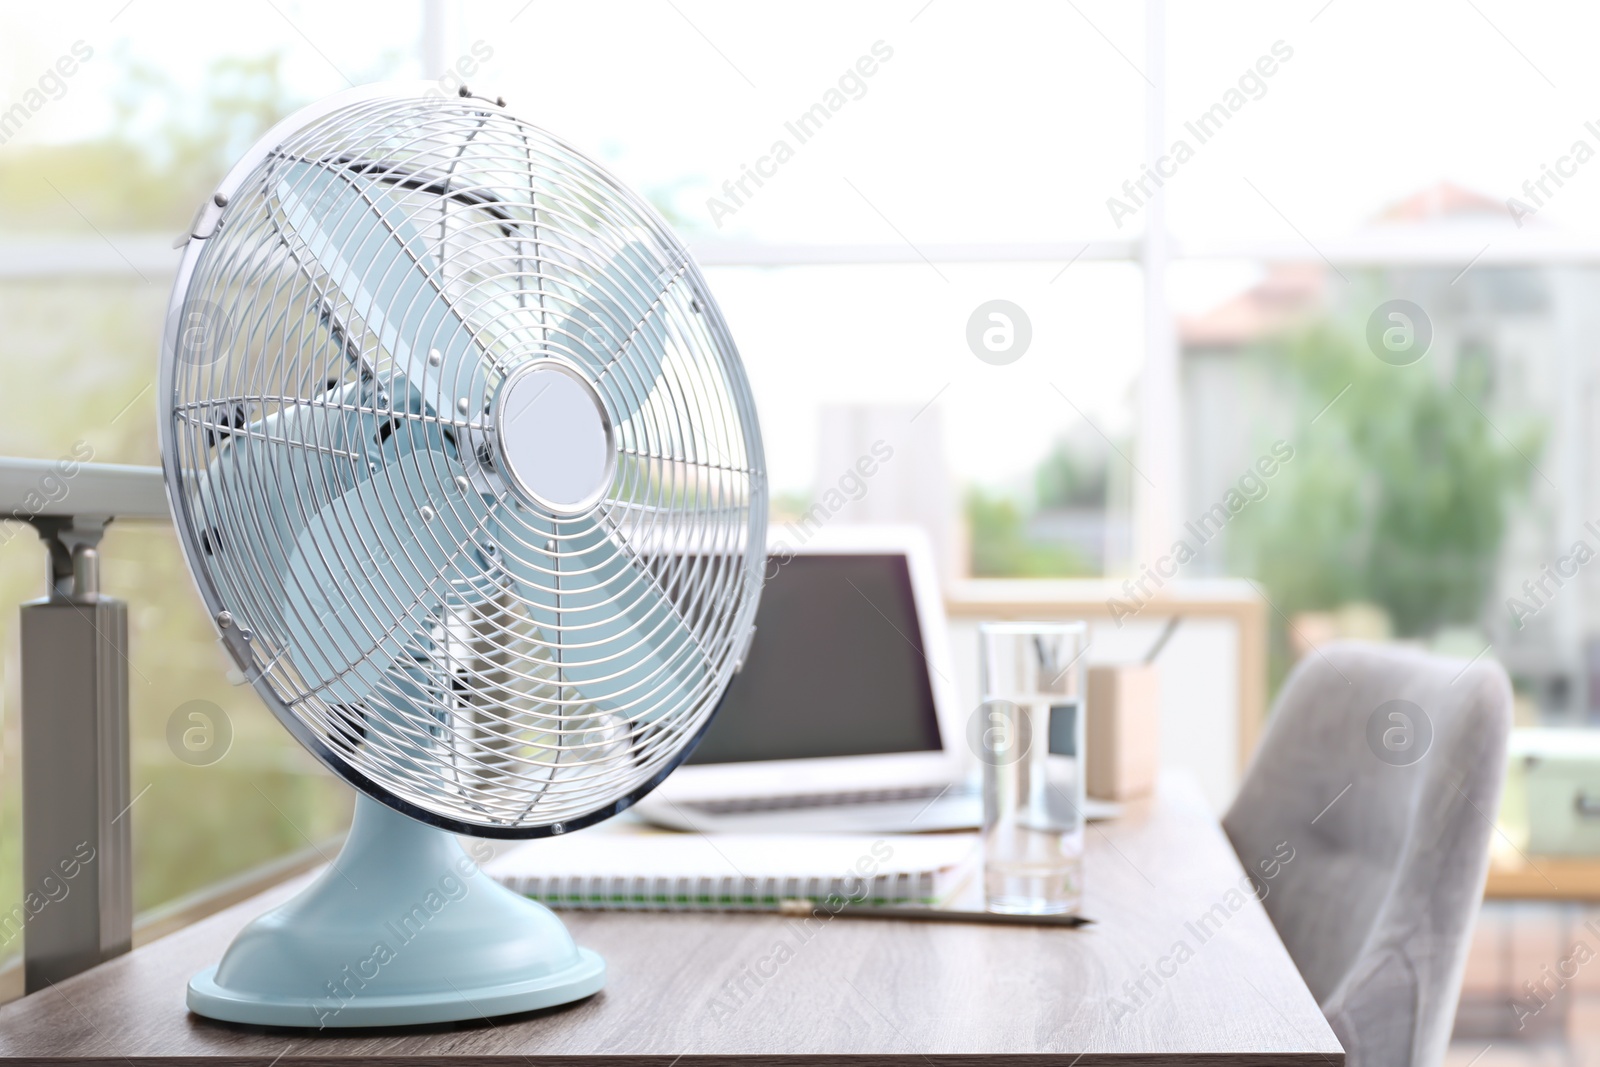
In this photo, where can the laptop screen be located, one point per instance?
(835, 667)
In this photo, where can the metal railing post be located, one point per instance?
(77, 881)
(76, 840)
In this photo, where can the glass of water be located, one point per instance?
(1030, 740)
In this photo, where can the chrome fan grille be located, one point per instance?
(333, 358)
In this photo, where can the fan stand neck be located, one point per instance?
(403, 928)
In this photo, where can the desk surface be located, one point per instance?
(864, 990)
(1543, 878)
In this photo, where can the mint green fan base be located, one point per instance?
(401, 929)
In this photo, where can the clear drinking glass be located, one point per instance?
(1030, 740)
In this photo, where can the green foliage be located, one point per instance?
(1001, 548)
(664, 198)
(790, 506)
(168, 151)
(1398, 493)
(1065, 479)
(78, 360)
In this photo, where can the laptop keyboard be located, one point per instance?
(800, 801)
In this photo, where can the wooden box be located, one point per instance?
(1123, 731)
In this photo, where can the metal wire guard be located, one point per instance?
(448, 645)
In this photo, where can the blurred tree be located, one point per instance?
(167, 150)
(1001, 547)
(1068, 479)
(1398, 493)
(789, 507)
(77, 358)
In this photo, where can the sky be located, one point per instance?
(980, 122)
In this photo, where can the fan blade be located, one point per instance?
(380, 263)
(293, 460)
(301, 445)
(623, 643)
(398, 547)
(617, 321)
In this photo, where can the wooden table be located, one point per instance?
(1543, 878)
(860, 990)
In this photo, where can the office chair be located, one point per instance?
(1389, 828)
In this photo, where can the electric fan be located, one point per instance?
(466, 468)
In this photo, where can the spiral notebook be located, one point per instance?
(646, 869)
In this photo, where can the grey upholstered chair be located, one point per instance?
(1390, 831)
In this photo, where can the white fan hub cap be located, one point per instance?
(553, 437)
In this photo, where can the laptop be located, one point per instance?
(844, 715)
